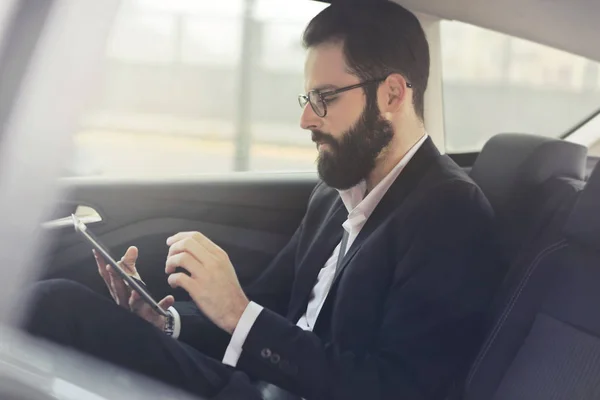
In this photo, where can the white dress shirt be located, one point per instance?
(359, 209)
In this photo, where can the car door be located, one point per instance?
(251, 216)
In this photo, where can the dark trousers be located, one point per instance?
(70, 314)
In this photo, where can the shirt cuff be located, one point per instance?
(176, 322)
(234, 350)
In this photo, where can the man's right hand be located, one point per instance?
(123, 295)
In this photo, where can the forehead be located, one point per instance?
(325, 67)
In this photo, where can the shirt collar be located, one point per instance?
(354, 198)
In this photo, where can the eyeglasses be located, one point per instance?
(318, 99)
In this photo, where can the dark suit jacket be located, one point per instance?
(404, 314)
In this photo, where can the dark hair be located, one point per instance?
(379, 38)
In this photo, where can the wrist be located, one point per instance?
(235, 315)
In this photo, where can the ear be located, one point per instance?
(394, 93)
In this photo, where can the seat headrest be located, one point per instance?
(509, 163)
(583, 224)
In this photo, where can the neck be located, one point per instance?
(391, 156)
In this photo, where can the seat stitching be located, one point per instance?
(510, 305)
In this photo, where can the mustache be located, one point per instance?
(322, 137)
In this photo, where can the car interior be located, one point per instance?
(543, 339)
(543, 328)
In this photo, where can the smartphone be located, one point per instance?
(131, 281)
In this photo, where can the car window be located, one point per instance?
(494, 83)
(193, 86)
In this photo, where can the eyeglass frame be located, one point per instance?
(323, 95)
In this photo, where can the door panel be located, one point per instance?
(251, 216)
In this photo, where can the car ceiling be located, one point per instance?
(570, 25)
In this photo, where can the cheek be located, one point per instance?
(341, 117)
(336, 130)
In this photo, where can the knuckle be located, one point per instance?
(187, 242)
(186, 259)
(171, 262)
(212, 263)
(176, 261)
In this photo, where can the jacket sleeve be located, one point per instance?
(429, 325)
(272, 290)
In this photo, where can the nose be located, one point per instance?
(309, 120)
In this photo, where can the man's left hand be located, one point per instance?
(212, 284)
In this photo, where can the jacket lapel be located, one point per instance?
(321, 248)
(406, 182)
(331, 231)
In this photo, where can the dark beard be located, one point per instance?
(352, 158)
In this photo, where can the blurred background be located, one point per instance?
(193, 87)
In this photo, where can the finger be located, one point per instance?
(183, 281)
(140, 307)
(143, 310)
(119, 289)
(198, 237)
(101, 267)
(191, 246)
(167, 302)
(184, 260)
(99, 258)
(135, 296)
(115, 292)
(179, 236)
(135, 301)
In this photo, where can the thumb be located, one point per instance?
(166, 302)
(130, 257)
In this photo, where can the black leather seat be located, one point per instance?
(526, 178)
(545, 342)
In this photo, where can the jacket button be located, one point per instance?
(275, 358)
(265, 353)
